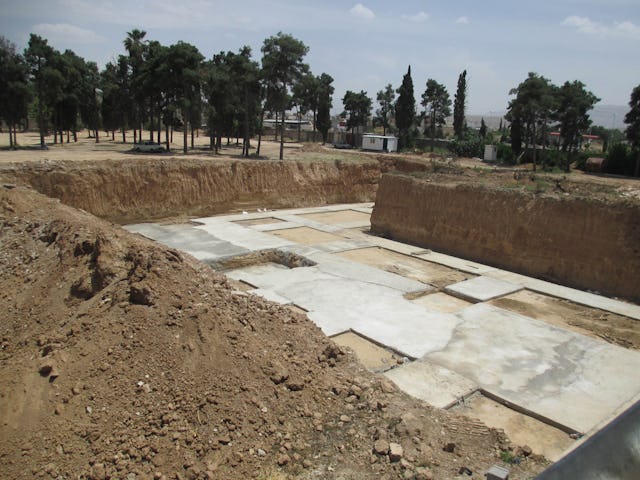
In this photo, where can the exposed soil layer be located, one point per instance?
(119, 357)
(131, 190)
(574, 233)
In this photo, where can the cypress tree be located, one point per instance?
(405, 111)
(459, 105)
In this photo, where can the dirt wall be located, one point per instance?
(586, 244)
(128, 191)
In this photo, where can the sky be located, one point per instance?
(369, 44)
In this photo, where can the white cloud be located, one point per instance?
(66, 34)
(584, 24)
(360, 11)
(628, 29)
(419, 17)
(588, 26)
(463, 20)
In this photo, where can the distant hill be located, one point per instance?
(609, 116)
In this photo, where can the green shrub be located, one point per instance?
(619, 160)
(505, 154)
(470, 145)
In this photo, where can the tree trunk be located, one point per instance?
(260, 133)
(68, 136)
(282, 138)
(314, 126)
(433, 129)
(275, 138)
(41, 120)
(135, 135)
(185, 138)
(299, 126)
(535, 149)
(210, 139)
(637, 172)
(97, 135)
(75, 136)
(192, 137)
(11, 144)
(124, 136)
(166, 136)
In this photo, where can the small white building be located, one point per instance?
(379, 143)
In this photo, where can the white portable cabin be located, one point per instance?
(379, 143)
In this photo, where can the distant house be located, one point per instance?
(379, 143)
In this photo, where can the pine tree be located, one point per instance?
(459, 105)
(632, 119)
(405, 111)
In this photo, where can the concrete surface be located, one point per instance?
(432, 383)
(568, 378)
(482, 289)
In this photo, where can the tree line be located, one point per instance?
(538, 108)
(399, 114)
(155, 87)
(158, 88)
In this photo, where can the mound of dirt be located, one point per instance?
(123, 359)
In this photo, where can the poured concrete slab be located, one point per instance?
(187, 238)
(341, 295)
(240, 236)
(569, 378)
(455, 262)
(432, 383)
(481, 289)
(441, 302)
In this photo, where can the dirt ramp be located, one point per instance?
(132, 190)
(588, 244)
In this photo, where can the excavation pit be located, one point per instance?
(379, 288)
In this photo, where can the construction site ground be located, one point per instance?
(286, 343)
